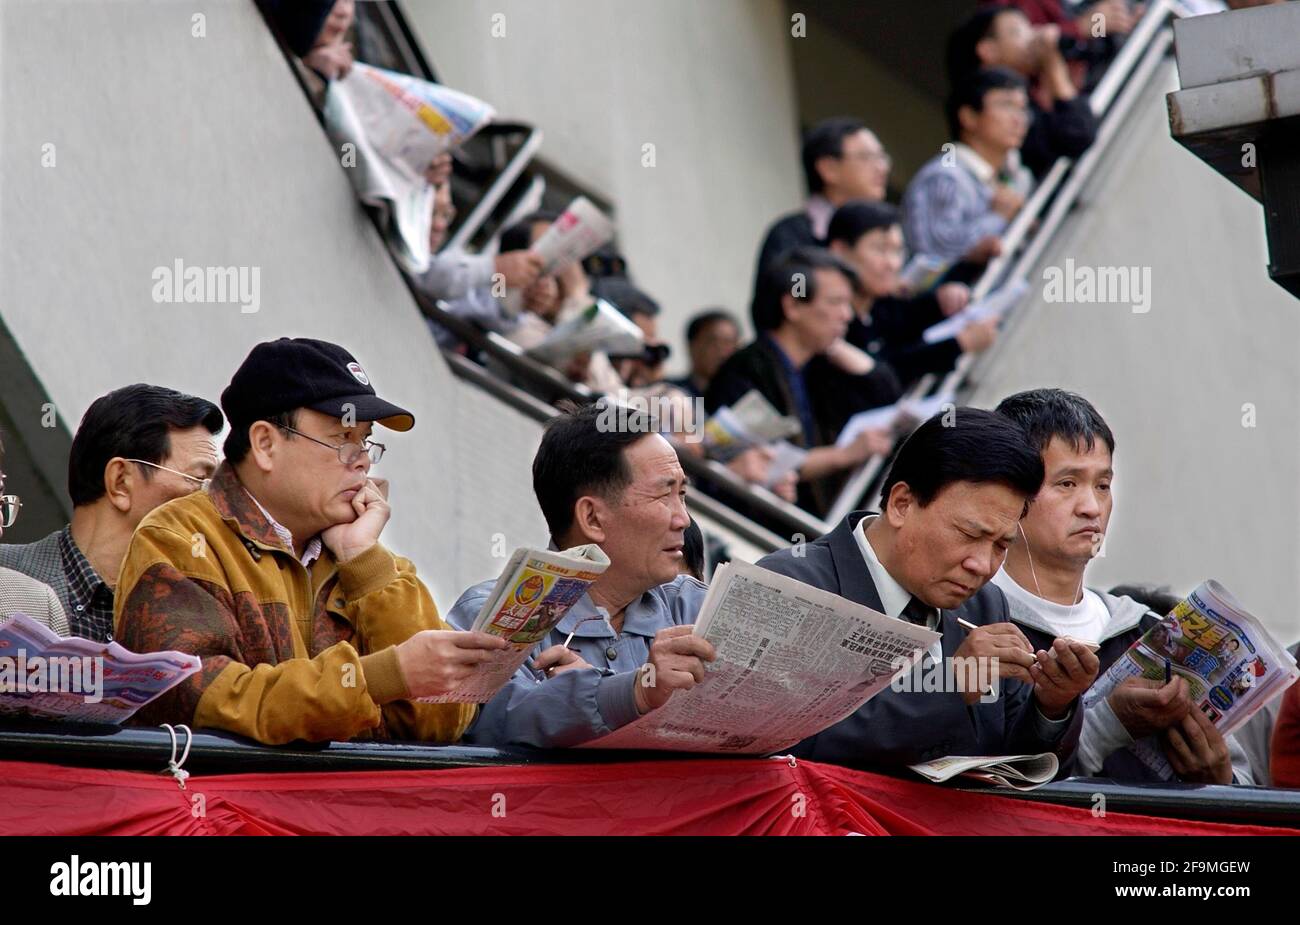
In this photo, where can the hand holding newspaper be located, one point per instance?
(791, 661)
(393, 126)
(752, 421)
(1232, 666)
(922, 274)
(47, 676)
(578, 233)
(899, 418)
(1014, 772)
(535, 591)
(994, 305)
(600, 326)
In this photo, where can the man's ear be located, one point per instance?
(899, 504)
(967, 118)
(828, 168)
(120, 479)
(262, 442)
(590, 516)
(984, 51)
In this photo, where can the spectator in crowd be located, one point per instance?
(959, 204)
(298, 22)
(1061, 123)
(1043, 580)
(308, 627)
(632, 647)
(136, 448)
(331, 54)
(712, 337)
(1285, 763)
(802, 310)
(21, 593)
(1090, 32)
(645, 368)
(869, 237)
(953, 499)
(693, 563)
(842, 160)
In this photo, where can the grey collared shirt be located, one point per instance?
(575, 706)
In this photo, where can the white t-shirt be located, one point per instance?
(1085, 621)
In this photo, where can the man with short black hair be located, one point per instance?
(136, 448)
(952, 501)
(631, 647)
(842, 160)
(960, 202)
(307, 626)
(712, 337)
(1043, 579)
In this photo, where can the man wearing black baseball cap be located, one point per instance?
(307, 626)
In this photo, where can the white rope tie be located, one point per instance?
(176, 768)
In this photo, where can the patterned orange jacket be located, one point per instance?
(289, 652)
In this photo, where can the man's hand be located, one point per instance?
(751, 464)
(850, 359)
(1145, 706)
(786, 487)
(978, 336)
(439, 170)
(1061, 674)
(872, 442)
(347, 541)
(1004, 642)
(519, 268)
(984, 250)
(1197, 751)
(436, 662)
(557, 660)
(676, 663)
(1006, 201)
(330, 61)
(1116, 16)
(952, 298)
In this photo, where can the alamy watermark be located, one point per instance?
(240, 286)
(951, 675)
(629, 412)
(55, 674)
(1088, 285)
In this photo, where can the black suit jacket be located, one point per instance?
(898, 728)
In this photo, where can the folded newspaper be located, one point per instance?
(600, 326)
(899, 418)
(923, 273)
(792, 660)
(578, 233)
(535, 591)
(396, 125)
(47, 676)
(994, 305)
(750, 422)
(1015, 772)
(1232, 666)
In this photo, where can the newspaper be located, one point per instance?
(599, 326)
(535, 591)
(396, 125)
(579, 232)
(786, 458)
(1232, 666)
(47, 676)
(994, 305)
(750, 422)
(792, 660)
(899, 418)
(923, 273)
(1016, 772)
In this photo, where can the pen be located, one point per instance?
(1169, 672)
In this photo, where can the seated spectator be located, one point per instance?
(693, 554)
(1285, 761)
(1061, 123)
(869, 237)
(801, 311)
(712, 337)
(842, 160)
(330, 55)
(1090, 32)
(136, 448)
(646, 368)
(1043, 579)
(21, 593)
(952, 501)
(307, 626)
(624, 491)
(959, 204)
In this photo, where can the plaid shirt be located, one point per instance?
(90, 599)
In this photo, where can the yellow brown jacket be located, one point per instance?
(289, 652)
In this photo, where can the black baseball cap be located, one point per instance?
(298, 372)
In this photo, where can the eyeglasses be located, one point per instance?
(9, 507)
(348, 452)
(200, 484)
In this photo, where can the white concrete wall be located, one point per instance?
(169, 146)
(1197, 494)
(710, 84)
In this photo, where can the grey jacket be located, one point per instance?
(898, 728)
(42, 560)
(1104, 742)
(20, 593)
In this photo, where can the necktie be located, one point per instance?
(917, 612)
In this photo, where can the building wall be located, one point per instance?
(710, 85)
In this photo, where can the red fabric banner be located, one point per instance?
(705, 797)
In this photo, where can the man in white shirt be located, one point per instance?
(1043, 580)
